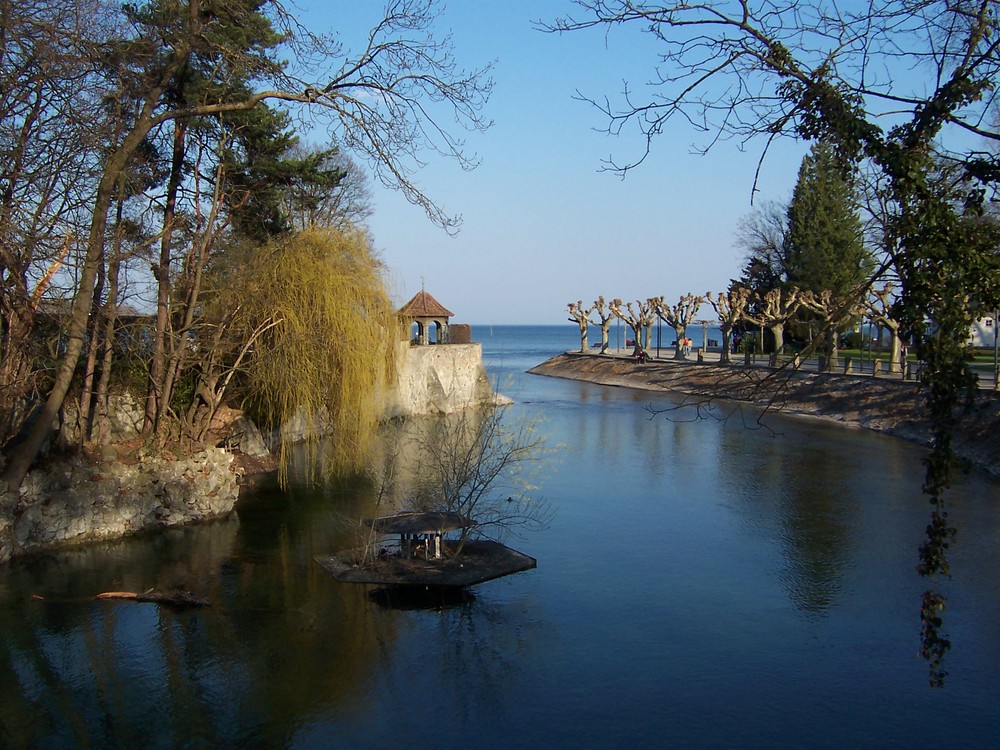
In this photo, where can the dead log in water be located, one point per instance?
(175, 598)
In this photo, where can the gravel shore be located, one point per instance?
(887, 405)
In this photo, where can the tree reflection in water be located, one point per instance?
(748, 585)
(78, 672)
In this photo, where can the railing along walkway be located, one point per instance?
(866, 367)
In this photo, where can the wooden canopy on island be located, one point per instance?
(421, 529)
(426, 311)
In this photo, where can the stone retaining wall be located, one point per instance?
(73, 500)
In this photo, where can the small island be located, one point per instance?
(423, 556)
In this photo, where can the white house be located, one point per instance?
(983, 333)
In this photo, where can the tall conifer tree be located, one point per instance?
(823, 242)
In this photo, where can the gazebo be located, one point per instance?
(426, 311)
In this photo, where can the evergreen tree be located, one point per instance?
(823, 241)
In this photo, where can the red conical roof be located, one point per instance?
(424, 305)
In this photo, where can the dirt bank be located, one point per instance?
(882, 404)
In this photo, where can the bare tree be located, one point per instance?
(878, 305)
(761, 234)
(834, 311)
(775, 309)
(343, 201)
(478, 462)
(47, 132)
(578, 315)
(604, 318)
(636, 318)
(678, 316)
(731, 307)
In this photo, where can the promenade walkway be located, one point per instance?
(859, 368)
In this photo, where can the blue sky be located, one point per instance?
(542, 225)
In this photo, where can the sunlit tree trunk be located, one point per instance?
(579, 316)
(731, 308)
(605, 317)
(158, 398)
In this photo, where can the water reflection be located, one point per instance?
(797, 494)
(421, 597)
(80, 672)
(281, 643)
(701, 584)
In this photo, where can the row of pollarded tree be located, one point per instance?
(740, 307)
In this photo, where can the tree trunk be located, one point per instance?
(896, 363)
(681, 332)
(157, 399)
(727, 344)
(15, 371)
(83, 417)
(636, 343)
(778, 332)
(101, 429)
(834, 342)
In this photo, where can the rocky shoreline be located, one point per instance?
(884, 404)
(127, 488)
(78, 498)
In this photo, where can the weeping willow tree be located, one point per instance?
(323, 333)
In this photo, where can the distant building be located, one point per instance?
(982, 334)
(426, 314)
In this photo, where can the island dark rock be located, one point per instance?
(480, 560)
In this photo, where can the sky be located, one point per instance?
(542, 224)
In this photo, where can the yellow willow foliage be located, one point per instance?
(331, 355)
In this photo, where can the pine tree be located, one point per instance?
(823, 242)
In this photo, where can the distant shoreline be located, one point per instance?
(885, 405)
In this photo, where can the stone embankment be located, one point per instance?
(888, 405)
(76, 499)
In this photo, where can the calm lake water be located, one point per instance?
(702, 584)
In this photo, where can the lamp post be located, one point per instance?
(704, 333)
(871, 323)
(996, 351)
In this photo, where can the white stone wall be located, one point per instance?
(439, 379)
(73, 500)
